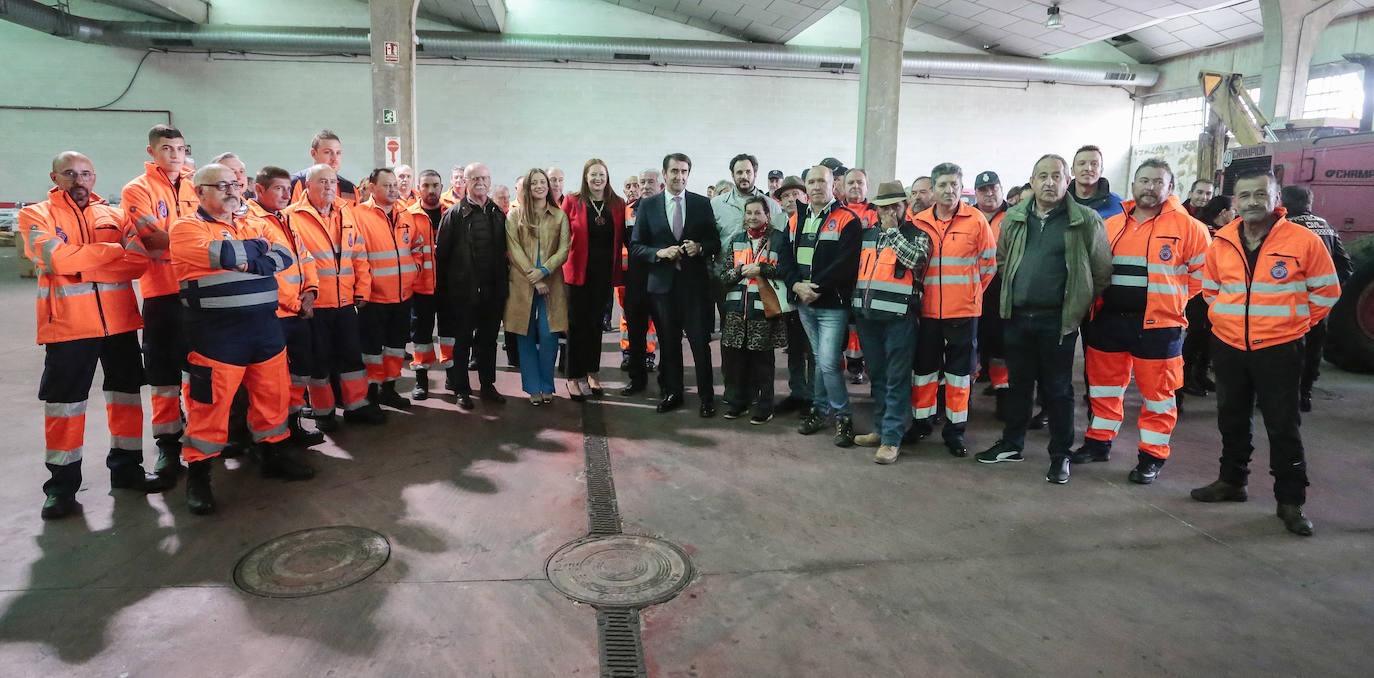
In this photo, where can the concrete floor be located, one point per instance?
(811, 560)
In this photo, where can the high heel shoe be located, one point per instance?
(594, 387)
(575, 391)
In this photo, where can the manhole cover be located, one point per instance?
(311, 562)
(622, 570)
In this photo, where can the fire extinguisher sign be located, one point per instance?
(391, 52)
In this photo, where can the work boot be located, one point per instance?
(168, 464)
(126, 473)
(1091, 450)
(1293, 519)
(299, 435)
(279, 462)
(1220, 490)
(919, 430)
(811, 422)
(844, 431)
(1146, 469)
(421, 390)
(59, 506)
(388, 396)
(327, 423)
(370, 413)
(491, 395)
(868, 440)
(199, 499)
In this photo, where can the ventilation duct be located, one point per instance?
(462, 45)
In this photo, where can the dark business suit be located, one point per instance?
(681, 288)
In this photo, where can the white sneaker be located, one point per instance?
(886, 454)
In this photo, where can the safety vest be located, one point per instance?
(963, 258)
(833, 222)
(86, 260)
(297, 279)
(339, 251)
(743, 296)
(447, 199)
(625, 241)
(392, 262)
(885, 287)
(1163, 265)
(206, 254)
(422, 244)
(152, 194)
(995, 223)
(1292, 287)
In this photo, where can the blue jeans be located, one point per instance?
(889, 346)
(827, 329)
(538, 350)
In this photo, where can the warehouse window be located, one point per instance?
(1335, 96)
(1179, 120)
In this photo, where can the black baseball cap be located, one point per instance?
(986, 178)
(775, 174)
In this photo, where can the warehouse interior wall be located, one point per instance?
(514, 116)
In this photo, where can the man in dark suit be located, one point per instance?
(675, 237)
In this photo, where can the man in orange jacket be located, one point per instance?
(297, 288)
(1157, 257)
(154, 201)
(1267, 282)
(963, 258)
(87, 255)
(227, 266)
(392, 240)
(327, 226)
(426, 212)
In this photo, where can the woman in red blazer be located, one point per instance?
(596, 217)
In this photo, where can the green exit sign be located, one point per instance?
(388, 116)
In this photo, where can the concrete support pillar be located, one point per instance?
(1291, 30)
(393, 81)
(880, 91)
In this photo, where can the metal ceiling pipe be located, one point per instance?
(464, 45)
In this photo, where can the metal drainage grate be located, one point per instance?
(622, 652)
(311, 562)
(602, 510)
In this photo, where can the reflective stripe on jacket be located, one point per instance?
(886, 287)
(742, 294)
(339, 251)
(422, 244)
(391, 259)
(1292, 287)
(829, 257)
(298, 279)
(86, 260)
(1167, 264)
(963, 258)
(152, 202)
(207, 253)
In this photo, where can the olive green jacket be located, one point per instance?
(1086, 252)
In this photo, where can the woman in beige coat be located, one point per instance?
(537, 239)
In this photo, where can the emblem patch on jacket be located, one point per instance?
(1165, 253)
(162, 209)
(1280, 270)
(61, 234)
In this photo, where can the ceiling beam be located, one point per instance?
(182, 11)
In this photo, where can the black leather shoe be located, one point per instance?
(1146, 470)
(1305, 402)
(388, 396)
(919, 430)
(956, 447)
(370, 413)
(299, 435)
(669, 403)
(708, 409)
(633, 388)
(1091, 450)
(328, 423)
(625, 363)
(472, 365)
(1293, 519)
(1059, 470)
(135, 478)
(200, 500)
(1039, 420)
(58, 506)
(465, 401)
(1219, 490)
(278, 462)
(421, 390)
(491, 395)
(168, 465)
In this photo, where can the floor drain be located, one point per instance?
(311, 562)
(622, 570)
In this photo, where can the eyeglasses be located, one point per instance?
(224, 186)
(73, 175)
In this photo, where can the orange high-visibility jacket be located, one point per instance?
(340, 254)
(447, 199)
(1292, 287)
(298, 279)
(206, 254)
(867, 211)
(423, 246)
(87, 261)
(963, 258)
(153, 202)
(1167, 262)
(390, 240)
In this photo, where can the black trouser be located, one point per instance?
(164, 359)
(801, 362)
(1269, 376)
(383, 330)
(585, 304)
(689, 310)
(1038, 353)
(990, 326)
(299, 357)
(476, 325)
(1312, 360)
(638, 310)
(749, 378)
(68, 370)
(1197, 343)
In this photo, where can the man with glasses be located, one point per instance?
(154, 201)
(87, 255)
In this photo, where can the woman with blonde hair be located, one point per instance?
(537, 240)
(596, 218)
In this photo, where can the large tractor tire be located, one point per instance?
(1350, 341)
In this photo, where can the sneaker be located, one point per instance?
(999, 452)
(1146, 470)
(761, 418)
(1058, 472)
(844, 431)
(811, 422)
(886, 454)
(1091, 450)
(868, 440)
(732, 413)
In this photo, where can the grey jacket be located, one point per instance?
(1086, 252)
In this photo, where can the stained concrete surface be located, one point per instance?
(811, 560)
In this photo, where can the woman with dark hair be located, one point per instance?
(596, 217)
(537, 241)
(1197, 355)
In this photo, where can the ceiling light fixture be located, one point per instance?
(1052, 18)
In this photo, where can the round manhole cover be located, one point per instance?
(311, 562)
(621, 570)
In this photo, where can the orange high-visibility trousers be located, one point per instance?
(650, 339)
(1157, 379)
(68, 370)
(210, 386)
